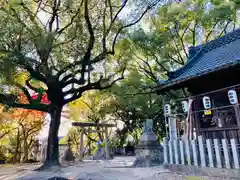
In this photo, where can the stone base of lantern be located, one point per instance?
(149, 152)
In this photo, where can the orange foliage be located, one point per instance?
(20, 113)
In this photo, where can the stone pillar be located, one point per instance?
(218, 153)
(226, 153)
(210, 152)
(202, 151)
(235, 154)
(195, 153)
(165, 150)
(149, 152)
(172, 121)
(182, 152)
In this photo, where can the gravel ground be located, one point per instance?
(117, 169)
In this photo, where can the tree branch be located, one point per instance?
(87, 55)
(126, 26)
(210, 32)
(148, 71)
(224, 30)
(7, 132)
(194, 34)
(116, 15)
(111, 10)
(25, 91)
(77, 92)
(24, 61)
(10, 101)
(32, 15)
(30, 86)
(181, 39)
(178, 52)
(104, 28)
(70, 23)
(55, 8)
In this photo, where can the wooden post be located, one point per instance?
(170, 151)
(106, 143)
(237, 113)
(165, 150)
(202, 151)
(182, 152)
(176, 152)
(81, 143)
(194, 151)
(210, 152)
(235, 153)
(188, 152)
(226, 153)
(218, 153)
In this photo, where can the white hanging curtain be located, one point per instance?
(188, 122)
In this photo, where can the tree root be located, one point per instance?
(50, 166)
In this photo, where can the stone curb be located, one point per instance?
(203, 171)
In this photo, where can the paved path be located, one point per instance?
(117, 169)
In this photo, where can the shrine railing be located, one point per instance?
(221, 153)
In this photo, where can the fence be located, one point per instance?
(117, 151)
(221, 153)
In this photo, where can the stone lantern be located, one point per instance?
(149, 152)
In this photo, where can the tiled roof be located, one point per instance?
(216, 54)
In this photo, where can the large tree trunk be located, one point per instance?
(52, 158)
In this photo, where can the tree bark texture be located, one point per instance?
(52, 157)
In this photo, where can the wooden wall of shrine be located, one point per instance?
(221, 121)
